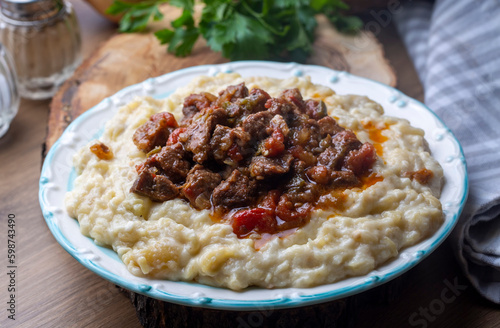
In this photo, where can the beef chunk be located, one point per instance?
(361, 160)
(236, 191)
(328, 126)
(157, 187)
(331, 158)
(344, 179)
(306, 133)
(279, 106)
(343, 143)
(254, 103)
(346, 140)
(315, 109)
(231, 94)
(155, 132)
(257, 100)
(172, 160)
(256, 124)
(199, 185)
(196, 102)
(295, 97)
(196, 138)
(228, 145)
(233, 110)
(320, 174)
(262, 167)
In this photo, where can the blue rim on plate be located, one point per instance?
(57, 176)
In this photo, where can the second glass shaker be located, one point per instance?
(9, 98)
(44, 40)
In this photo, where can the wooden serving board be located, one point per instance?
(127, 59)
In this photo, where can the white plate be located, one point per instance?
(57, 177)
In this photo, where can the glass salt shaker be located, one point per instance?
(44, 39)
(9, 97)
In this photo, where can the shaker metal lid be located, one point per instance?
(30, 10)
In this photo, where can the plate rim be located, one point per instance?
(231, 304)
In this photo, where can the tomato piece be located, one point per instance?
(174, 136)
(288, 212)
(140, 167)
(270, 201)
(254, 219)
(166, 117)
(275, 144)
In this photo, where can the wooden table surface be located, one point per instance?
(54, 290)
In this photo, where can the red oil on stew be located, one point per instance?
(375, 134)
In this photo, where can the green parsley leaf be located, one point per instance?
(164, 36)
(240, 29)
(186, 19)
(136, 15)
(183, 41)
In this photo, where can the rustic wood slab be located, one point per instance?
(127, 59)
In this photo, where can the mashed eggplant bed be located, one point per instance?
(238, 182)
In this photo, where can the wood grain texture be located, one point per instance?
(126, 59)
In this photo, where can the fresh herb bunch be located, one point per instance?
(240, 29)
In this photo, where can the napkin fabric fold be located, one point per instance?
(455, 46)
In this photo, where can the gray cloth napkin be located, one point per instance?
(455, 45)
